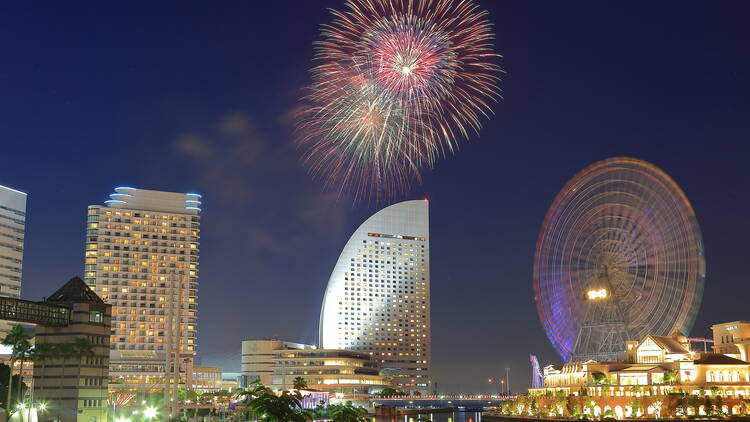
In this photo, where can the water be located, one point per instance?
(434, 417)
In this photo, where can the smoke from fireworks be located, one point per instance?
(398, 81)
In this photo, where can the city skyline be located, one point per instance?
(183, 108)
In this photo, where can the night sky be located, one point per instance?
(197, 96)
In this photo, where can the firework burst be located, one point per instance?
(397, 83)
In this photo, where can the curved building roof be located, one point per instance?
(381, 279)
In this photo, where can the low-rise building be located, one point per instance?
(655, 365)
(74, 387)
(205, 379)
(277, 363)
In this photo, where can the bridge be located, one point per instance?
(39, 313)
(469, 402)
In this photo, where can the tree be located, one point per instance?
(23, 355)
(269, 407)
(347, 412)
(4, 373)
(390, 392)
(299, 383)
(708, 406)
(18, 339)
(599, 378)
(719, 405)
(657, 405)
(670, 377)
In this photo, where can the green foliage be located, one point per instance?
(534, 407)
(299, 383)
(4, 372)
(719, 404)
(21, 348)
(390, 392)
(346, 412)
(670, 377)
(270, 407)
(599, 378)
(708, 406)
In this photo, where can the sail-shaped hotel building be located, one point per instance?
(378, 297)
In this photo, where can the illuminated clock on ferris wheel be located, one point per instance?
(619, 256)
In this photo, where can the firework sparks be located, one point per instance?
(398, 81)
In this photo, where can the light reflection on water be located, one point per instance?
(433, 417)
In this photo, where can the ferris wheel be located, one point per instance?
(619, 256)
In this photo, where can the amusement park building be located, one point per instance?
(652, 366)
(377, 300)
(733, 339)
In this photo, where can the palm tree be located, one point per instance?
(347, 413)
(269, 407)
(39, 355)
(24, 355)
(17, 338)
(299, 383)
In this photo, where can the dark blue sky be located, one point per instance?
(196, 96)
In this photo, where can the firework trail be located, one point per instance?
(396, 84)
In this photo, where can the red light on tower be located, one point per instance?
(426, 199)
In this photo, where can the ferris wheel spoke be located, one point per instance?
(623, 225)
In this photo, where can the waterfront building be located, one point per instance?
(377, 300)
(74, 388)
(142, 254)
(12, 231)
(277, 363)
(732, 339)
(258, 359)
(653, 366)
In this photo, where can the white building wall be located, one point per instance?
(378, 296)
(12, 232)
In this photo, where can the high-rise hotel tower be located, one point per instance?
(12, 229)
(378, 297)
(142, 253)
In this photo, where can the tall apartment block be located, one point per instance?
(378, 297)
(12, 229)
(142, 252)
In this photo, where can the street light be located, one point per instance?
(149, 413)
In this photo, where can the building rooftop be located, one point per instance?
(13, 198)
(670, 344)
(153, 200)
(75, 291)
(718, 359)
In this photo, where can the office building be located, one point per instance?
(12, 230)
(142, 250)
(276, 364)
(378, 297)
